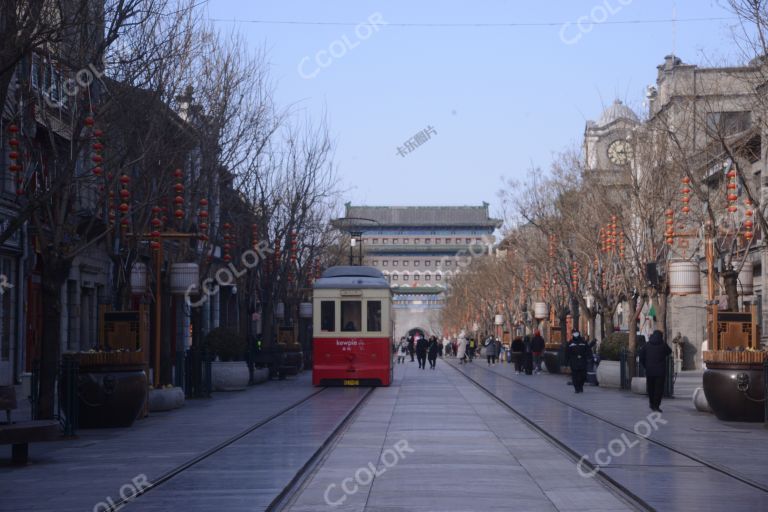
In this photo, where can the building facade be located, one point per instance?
(418, 249)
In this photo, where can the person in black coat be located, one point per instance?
(421, 352)
(432, 349)
(653, 357)
(528, 355)
(537, 347)
(517, 353)
(411, 347)
(578, 355)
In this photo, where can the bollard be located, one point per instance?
(765, 392)
(180, 369)
(623, 368)
(669, 382)
(207, 378)
(68, 406)
(34, 391)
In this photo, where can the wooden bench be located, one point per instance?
(20, 434)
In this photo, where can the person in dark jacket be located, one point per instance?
(432, 349)
(421, 352)
(527, 355)
(578, 355)
(517, 353)
(537, 348)
(653, 357)
(490, 350)
(411, 346)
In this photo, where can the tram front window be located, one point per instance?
(374, 316)
(328, 316)
(351, 315)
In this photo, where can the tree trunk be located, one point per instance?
(632, 342)
(55, 272)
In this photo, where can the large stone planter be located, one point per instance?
(728, 402)
(165, 399)
(260, 375)
(639, 385)
(609, 374)
(110, 396)
(229, 376)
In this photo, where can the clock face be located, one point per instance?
(619, 152)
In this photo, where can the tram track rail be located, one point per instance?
(178, 470)
(695, 458)
(287, 496)
(627, 496)
(603, 472)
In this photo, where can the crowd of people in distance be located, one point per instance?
(527, 352)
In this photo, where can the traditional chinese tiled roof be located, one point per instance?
(424, 216)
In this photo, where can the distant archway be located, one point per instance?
(418, 330)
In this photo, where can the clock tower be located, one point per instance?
(608, 153)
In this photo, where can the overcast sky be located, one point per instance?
(496, 99)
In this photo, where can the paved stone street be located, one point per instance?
(468, 453)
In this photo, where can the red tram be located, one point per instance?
(352, 330)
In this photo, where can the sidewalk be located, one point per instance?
(465, 452)
(77, 474)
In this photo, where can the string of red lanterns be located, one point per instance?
(686, 199)
(748, 224)
(202, 220)
(731, 190)
(14, 156)
(227, 246)
(156, 225)
(670, 222)
(125, 195)
(178, 187)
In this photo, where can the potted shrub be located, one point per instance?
(609, 369)
(229, 371)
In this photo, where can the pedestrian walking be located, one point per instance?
(421, 352)
(461, 350)
(517, 353)
(527, 355)
(432, 350)
(577, 356)
(471, 347)
(402, 351)
(411, 345)
(653, 357)
(537, 348)
(490, 350)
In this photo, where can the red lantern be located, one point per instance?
(98, 171)
(14, 143)
(97, 146)
(124, 207)
(179, 188)
(124, 179)
(179, 214)
(89, 121)
(98, 133)
(178, 173)
(203, 202)
(97, 159)
(13, 128)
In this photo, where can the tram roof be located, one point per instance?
(349, 276)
